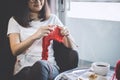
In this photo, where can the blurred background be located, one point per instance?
(94, 25)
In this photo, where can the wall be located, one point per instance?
(98, 40)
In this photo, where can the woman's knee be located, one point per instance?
(39, 71)
(41, 64)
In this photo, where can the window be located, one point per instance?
(96, 0)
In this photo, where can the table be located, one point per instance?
(82, 74)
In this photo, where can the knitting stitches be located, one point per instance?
(54, 35)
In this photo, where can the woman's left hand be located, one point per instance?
(64, 31)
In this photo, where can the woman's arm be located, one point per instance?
(67, 41)
(18, 46)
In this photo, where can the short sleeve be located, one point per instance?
(13, 26)
(57, 21)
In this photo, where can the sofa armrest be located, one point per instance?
(66, 58)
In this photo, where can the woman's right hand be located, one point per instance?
(42, 31)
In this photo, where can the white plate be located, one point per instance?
(82, 74)
(71, 75)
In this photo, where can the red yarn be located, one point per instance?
(54, 35)
(117, 71)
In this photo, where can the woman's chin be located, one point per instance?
(36, 10)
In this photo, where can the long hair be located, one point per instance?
(22, 12)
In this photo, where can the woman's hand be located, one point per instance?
(42, 31)
(64, 31)
(66, 39)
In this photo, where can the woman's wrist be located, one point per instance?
(33, 37)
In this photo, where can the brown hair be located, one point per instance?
(22, 13)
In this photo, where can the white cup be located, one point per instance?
(100, 68)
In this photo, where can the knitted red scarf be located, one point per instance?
(117, 71)
(54, 35)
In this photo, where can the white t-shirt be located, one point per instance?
(33, 53)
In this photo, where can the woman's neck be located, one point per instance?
(34, 16)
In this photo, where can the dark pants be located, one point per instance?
(41, 70)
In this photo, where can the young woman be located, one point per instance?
(31, 22)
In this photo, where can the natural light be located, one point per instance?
(95, 10)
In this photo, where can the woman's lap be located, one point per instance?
(41, 70)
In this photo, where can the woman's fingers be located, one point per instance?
(64, 31)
